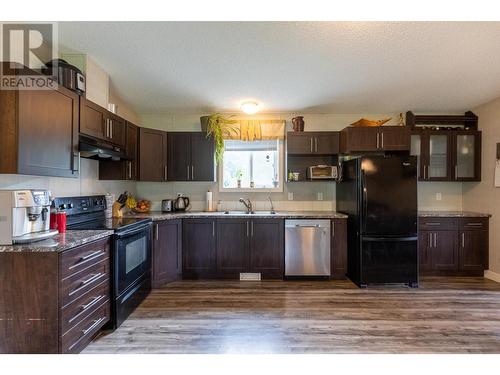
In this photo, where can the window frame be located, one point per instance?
(278, 189)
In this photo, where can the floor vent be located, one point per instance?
(250, 276)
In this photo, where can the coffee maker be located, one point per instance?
(24, 216)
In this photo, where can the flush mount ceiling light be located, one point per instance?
(249, 107)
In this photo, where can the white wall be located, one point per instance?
(483, 196)
(305, 193)
(87, 183)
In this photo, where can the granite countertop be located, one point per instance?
(61, 242)
(452, 214)
(158, 215)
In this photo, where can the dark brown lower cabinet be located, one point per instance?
(339, 249)
(454, 247)
(198, 248)
(167, 252)
(54, 302)
(232, 247)
(224, 248)
(266, 250)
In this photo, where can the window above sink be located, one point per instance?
(255, 166)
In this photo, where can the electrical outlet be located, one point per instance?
(438, 196)
(320, 196)
(290, 196)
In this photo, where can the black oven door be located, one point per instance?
(132, 257)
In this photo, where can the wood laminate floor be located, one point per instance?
(444, 315)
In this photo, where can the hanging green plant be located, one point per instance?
(220, 127)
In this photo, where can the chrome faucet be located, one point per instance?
(248, 205)
(272, 207)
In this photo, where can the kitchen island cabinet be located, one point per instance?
(65, 293)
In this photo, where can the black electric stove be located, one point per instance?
(130, 250)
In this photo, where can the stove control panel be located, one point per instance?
(78, 205)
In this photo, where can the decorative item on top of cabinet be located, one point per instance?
(298, 124)
(152, 155)
(363, 122)
(468, 121)
(167, 252)
(39, 132)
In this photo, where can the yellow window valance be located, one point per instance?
(257, 130)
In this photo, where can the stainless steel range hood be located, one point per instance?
(91, 148)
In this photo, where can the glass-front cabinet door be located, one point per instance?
(416, 150)
(467, 155)
(438, 156)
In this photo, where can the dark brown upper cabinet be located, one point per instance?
(313, 143)
(384, 138)
(39, 132)
(152, 155)
(447, 155)
(98, 122)
(124, 169)
(191, 157)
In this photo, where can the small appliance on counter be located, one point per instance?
(24, 216)
(322, 172)
(181, 203)
(167, 205)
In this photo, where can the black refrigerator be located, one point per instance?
(379, 195)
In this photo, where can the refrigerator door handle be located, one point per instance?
(365, 199)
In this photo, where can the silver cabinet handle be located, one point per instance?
(429, 240)
(157, 235)
(247, 229)
(93, 302)
(192, 172)
(433, 224)
(91, 255)
(316, 144)
(91, 279)
(463, 239)
(456, 172)
(251, 228)
(111, 128)
(187, 167)
(382, 137)
(129, 170)
(333, 229)
(96, 323)
(165, 172)
(475, 224)
(378, 135)
(76, 161)
(213, 228)
(311, 141)
(435, 239)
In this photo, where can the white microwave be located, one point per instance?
(322, 172)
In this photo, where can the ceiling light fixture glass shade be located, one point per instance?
(249, 107)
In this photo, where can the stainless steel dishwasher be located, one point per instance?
(307, 247)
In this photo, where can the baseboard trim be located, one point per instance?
(492, 276)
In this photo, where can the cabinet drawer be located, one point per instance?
(79, 309)
(471, 223)
(78, 338)
(80, 283)
(438, 223)
(74, 260)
